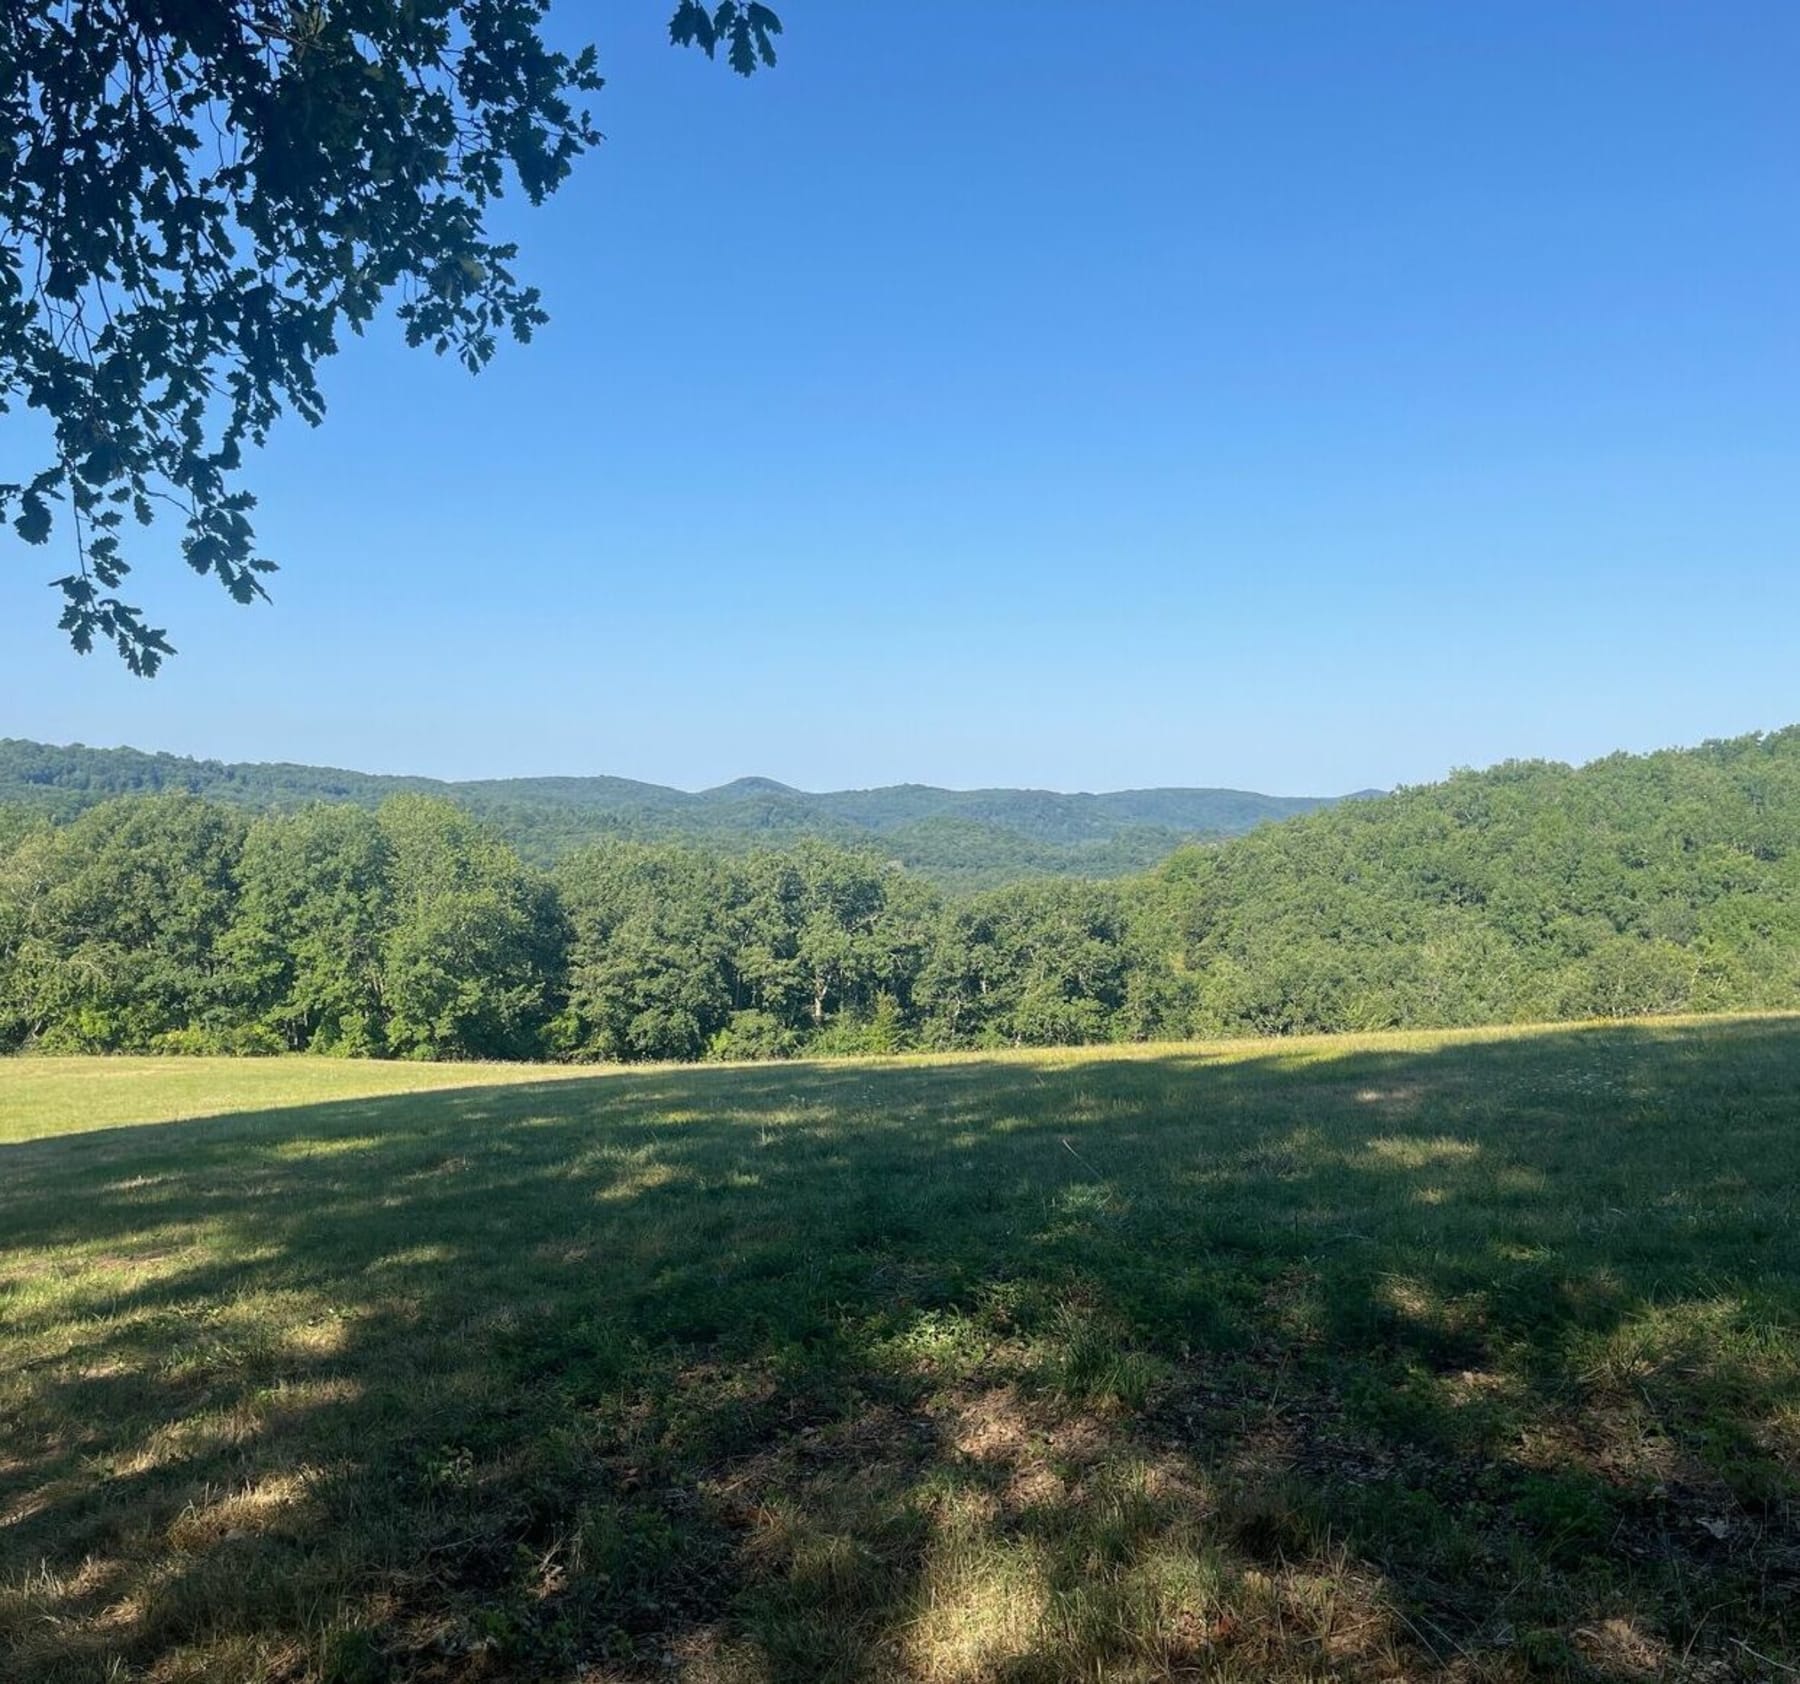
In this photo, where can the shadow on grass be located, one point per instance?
(1479, 1360)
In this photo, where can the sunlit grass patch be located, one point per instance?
(1462, 1357)
(1413, 1153)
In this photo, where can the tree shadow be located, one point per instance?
(1478, 1359)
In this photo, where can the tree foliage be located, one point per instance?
(1635, 885)
(472, 956)
(197, 197)
(112, 926)
(315, 900)
(960, 839)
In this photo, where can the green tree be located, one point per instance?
(652, 933)
(473, 961)
(1041, 964)
(304, 951)
(114, 925)
(1635, 885)
(26, 862)
(828, 930)
(198, 196)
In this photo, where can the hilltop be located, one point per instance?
(960, 838)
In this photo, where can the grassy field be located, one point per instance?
(1467, 1357)
(40, 1097)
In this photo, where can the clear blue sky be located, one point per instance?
(1294, 396)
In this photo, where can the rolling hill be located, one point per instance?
(960, 838)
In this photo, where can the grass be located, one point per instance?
(1471, 1357)
(40, 1097)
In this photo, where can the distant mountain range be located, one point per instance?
(966, 838)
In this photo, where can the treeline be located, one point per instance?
(962, 840)
(1634, 885)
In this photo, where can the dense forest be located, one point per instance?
(1636, 884)
(961, 839)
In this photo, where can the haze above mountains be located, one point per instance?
(967, 838)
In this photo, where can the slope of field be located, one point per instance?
(41, 1097)
(964, 838)
(1471, 1357)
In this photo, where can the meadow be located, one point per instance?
(1470, 1356)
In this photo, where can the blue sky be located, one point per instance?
(1294, 396)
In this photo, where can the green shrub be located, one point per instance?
(753, 1035)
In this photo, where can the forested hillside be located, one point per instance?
(960, 839)
(1657, 883)
(1648, 883)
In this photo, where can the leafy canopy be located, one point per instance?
(197, 196)
(1638, 884)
